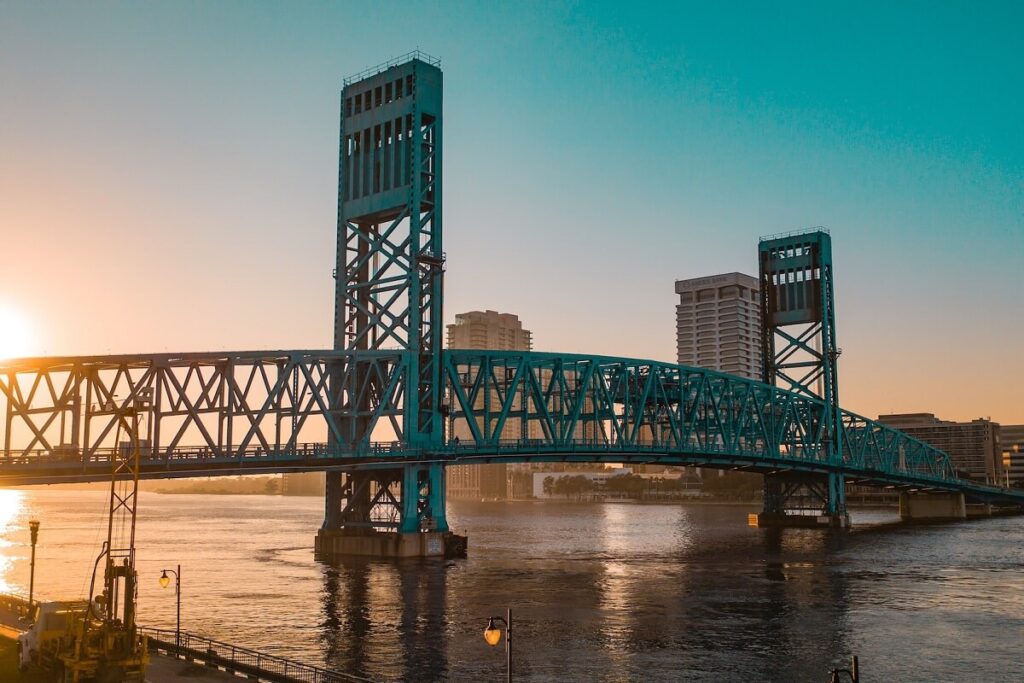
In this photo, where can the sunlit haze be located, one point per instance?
(16, 338)
(168, 183)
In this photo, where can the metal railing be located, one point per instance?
(384, 66)
(252, 663)
(794, 233)
(300, 451)
(14, 609)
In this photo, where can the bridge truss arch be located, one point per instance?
(280, 411)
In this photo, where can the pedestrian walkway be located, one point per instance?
(163, 669)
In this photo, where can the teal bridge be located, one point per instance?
(387, 408)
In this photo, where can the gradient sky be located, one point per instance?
(168, 173)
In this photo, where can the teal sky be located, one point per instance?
(168, 172)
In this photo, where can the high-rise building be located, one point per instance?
(1011, 440)
(489, 331)
(493, 331)
(718, 324)
(972, 446)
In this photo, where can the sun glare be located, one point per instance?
(16, 339)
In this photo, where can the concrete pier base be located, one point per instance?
(979, 510)
(783, 521)
(932, 507)
(332, 543)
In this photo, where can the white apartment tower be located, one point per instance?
(718, 324)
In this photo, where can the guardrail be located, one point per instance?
(14, 609)
(241, 660)
(384, 66)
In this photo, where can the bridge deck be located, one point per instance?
(40, 468)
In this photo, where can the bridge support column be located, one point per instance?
(387, 513)
(423, 499)
(801, 500)
(932, 507)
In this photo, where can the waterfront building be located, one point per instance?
(494, 331)
(718, 324)
(972, 446)
(1011, 439)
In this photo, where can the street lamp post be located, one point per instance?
(492, 634)
(164, 582)
(33, 527)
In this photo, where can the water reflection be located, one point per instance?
(346, 622)
(598, 592)
(11, 521)
(379, 616)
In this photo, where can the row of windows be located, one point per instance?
(747, 335)
(717, 313)
(378, 158)
(375, 97)
(724, 293)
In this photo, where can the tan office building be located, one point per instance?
(972, 446)
(718, 324)
(493, 331)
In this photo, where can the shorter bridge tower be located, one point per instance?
(798, 336)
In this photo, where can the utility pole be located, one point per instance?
(33, 527)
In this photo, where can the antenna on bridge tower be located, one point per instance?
(798, 337)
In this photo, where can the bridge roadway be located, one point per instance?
(275, 411)
(40, 468)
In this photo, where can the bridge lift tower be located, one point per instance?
(388, 304)
(798, 338)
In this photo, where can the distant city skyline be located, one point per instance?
(170, 183)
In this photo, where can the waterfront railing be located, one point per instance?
(242, 660)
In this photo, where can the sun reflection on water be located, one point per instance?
(11, 504)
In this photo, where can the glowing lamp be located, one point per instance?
(492, 634)
(165, 580)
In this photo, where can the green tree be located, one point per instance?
(549, 486)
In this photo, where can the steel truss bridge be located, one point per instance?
(387, 409)
(269, 412)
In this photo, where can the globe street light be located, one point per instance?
(492, 634)
(165, 581)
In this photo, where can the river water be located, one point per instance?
(612, 592)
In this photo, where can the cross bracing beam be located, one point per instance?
(217, 405)
(272, 411)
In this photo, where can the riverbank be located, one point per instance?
(753, 502)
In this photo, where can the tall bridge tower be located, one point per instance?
(798, 337)
(388, 299)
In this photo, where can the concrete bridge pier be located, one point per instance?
(803, 501)
(390, 512)
(932, 507)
